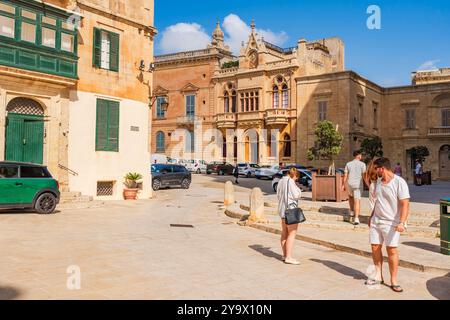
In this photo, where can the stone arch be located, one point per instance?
(22, 105)
(444, 162)
(442, 99)
(251, 146)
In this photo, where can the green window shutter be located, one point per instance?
(97, 48)
(114, 51)
(113, 126)
(102, 126)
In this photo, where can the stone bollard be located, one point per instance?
(257, 207)
(229, 194)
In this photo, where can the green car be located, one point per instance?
(28, 186)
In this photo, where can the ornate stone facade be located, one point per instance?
(290, 90)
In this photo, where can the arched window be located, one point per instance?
(285, 97)
(226, 102)
(233, 101)
(189, 141)
(276, 98)
(287, 146)
(160, 142)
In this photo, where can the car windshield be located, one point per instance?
(242, 165)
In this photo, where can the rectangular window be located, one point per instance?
(29, 15)
(68, 26)
(160, 113)
(106, 50)
(28, 32)
(7, 27)
(7, 8)
(446, 118)
(48, 37)
(190, 105)
(322, 110)
(411, 119)
(34, 172)
(107, 128)
(49, 21)
(9, 172)
(67, 42)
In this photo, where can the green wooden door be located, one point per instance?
(24, 138)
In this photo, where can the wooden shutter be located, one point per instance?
(102, 126)
(97, 54)
(114, 51)
(113, 126)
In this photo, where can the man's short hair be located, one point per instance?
(357, 153)
(383, 162)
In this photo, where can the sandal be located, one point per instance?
(397, 288)
(373, 282)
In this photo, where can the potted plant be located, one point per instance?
(131, 182)
(327, 147)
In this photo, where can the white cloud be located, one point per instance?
(192, 36)
(184, 37)
(429, 65)
(237, 30)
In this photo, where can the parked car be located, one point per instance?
(28, 186)
(305, 178)
(267, 172)
(247, 169)
(159, 158)
(197, 166)
(167, 175)
(221, 168)
(297, 166)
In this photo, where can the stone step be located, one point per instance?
(76, 200)
(321, 216)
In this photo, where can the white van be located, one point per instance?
(159, 158)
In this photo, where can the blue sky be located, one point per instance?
(413, 33)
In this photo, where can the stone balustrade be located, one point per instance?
(439, 131)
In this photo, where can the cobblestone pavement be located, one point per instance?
(128, 250)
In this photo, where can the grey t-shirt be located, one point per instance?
(355, 170)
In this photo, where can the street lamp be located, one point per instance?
(164, 104)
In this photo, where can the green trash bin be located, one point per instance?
(445, 226)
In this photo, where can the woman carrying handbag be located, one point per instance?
(289, 194)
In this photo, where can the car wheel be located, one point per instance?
(45, 203)
(185, 184)
(208, 172)
(275, 187)
(258, 177)
(221, 173)
(156, 185)
(249, 175)
(199, 171)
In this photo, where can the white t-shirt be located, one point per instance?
(418, 168)
(295, 194)
(355, 170)
(387, 209)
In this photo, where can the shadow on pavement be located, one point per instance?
(266, 251)
(346, 271)
(439, 287)
(24, 211)
(423, 245)
(8, 293)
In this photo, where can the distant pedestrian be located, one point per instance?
(353, 182)
(236, 174)
(288, 193)
(418, 173)
(398, 169)
(388, 221)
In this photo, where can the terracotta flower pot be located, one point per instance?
(130, 194)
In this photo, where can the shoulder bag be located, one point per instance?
(293, 215)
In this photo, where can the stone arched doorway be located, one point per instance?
(24, 131)
(444, 162)
(251, 149)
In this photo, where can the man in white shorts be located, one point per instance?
(388, 220)
(353, 182)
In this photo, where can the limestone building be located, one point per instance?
(269, 89)
(72, 95)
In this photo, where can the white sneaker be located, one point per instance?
(356, 221)
(291, 261)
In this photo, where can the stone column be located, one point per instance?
(257, 207)
(229, 194)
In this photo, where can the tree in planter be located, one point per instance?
(371, 148)
(328, 144)
(419, 153)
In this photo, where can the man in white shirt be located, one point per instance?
(388, 220)
(418, 172)
(353, 182)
